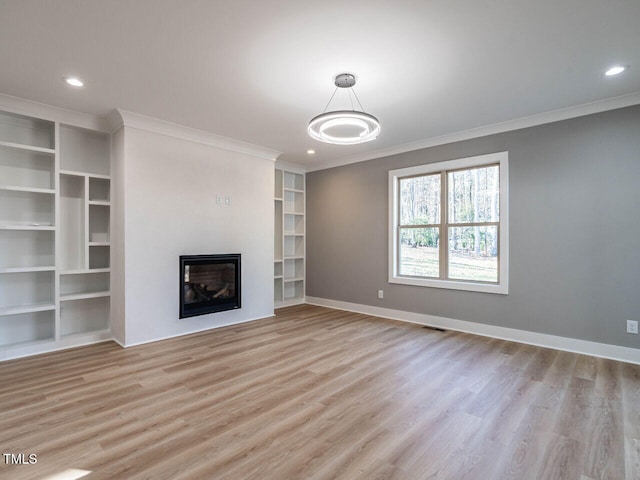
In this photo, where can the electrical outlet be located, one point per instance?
(380, 293)
(632, 326)
(219, 199)
(227, 200)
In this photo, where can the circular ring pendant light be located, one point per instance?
(344, 127)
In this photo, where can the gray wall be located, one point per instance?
(574, 231)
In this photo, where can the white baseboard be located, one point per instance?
(603, 350)
(191, 332)
(50, 346)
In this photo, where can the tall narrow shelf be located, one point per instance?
(289, 262)
(54, 209)
(28, 162)
(85, 217)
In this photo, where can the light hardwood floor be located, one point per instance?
(323, 394)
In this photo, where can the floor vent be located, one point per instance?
(434, 328)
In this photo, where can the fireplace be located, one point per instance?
(209, 283)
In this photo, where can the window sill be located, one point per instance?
(502, 289)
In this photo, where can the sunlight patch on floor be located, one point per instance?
(69, 474)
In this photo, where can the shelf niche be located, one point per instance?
(293, 290)
(277, 233)
(99, 190)
(27, 249)
(27, 327)
(294, 181)
(293, 224)
(26, 208)
(277, 289)
(293, 202)
(84, 316)
(294, 269)
(84, 151)
(99, 223)
(27, 131)
(72, 222)
(71, 284)
(293, 246)
(26, 289)
(99, 256)
(24, 168)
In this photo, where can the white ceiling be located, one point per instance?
(258, 70)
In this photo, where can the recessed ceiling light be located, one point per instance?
(616, 70)
(74, 81)
(311, 151)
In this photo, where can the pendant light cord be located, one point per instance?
(329, 102)
(351, 99)
(356, 95)
(351, 90)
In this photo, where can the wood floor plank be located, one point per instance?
(561, 459)
(316, 393)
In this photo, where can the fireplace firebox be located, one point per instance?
(209, 284)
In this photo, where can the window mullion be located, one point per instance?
(398, 213)
(420, 225)
(444, 236)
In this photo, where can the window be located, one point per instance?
(448, 224)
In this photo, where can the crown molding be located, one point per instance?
(507, 126)
(149, 124)
(290, 167)
(22, 106)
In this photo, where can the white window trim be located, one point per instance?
(501, 158)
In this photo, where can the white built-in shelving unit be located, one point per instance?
(55, 217)
(289, 238)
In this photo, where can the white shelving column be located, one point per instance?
(27, 230)
(54, 235)
(278, 240)
(85, 219)
(289, 268)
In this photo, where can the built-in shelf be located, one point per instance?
(294, 279)
(77, 173)
(55, 216)
(289, 237)
(27, 269)
(82, 272)
(12, 188)
(83, 296)
(27, 227)
(19, 309)
(73, 173)
(30, 148)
